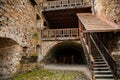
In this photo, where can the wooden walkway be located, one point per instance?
(92, 23)
(60, 34)
(63, 4)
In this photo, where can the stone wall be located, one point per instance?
(17, 28)
(9, 60)
(109, 9)
(17, 20)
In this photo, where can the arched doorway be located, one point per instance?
(66, 53)
(10, 56)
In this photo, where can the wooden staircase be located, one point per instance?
(101, 68)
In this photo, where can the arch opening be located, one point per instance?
(66, 53)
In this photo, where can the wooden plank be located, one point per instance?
(92, 23)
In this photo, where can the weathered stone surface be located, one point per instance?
(10, 60)
(109, 9)
(18, 20)
(17, 26)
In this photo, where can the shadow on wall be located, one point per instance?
(66, 53)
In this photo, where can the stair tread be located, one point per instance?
(101, 68)
(97, 57)
(100, 59)
(103, 75)
(105, 79)
(102, 71)
(99, 62)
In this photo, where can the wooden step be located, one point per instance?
(96, 60)
(103, 72)
(101, 68)
(100, 65)
(97, 57)
(105, 79)
(104, 76)
(95, 53)
(101, 62)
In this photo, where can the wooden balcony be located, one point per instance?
(63, 4)
(60, 34)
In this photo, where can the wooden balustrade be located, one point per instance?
(60, 34)
(48, 5)
(118, 68)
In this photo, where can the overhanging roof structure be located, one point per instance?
(92, 23)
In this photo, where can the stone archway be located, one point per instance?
(10, 56)
(66, 53)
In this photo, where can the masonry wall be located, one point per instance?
(109, 9)
(17, 20)
(9, 61)
(17, 23)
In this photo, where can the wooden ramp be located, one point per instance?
(92, 23)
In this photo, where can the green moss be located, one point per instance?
(39, 74)
(35, 35)
(34, 55)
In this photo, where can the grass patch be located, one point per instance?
(39, 74)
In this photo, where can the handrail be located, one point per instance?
(111, 62)
(58, 34)
(118, 68)
(63, 4)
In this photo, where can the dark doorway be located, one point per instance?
(66, 53)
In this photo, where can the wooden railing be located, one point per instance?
(111, 62)
(60, 34)
(118, 69)
(62, 4)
